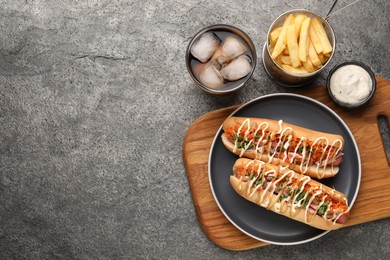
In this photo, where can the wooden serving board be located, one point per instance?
(363, 124)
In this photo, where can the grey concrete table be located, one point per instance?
(95, 101)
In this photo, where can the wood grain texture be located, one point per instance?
(370, 204)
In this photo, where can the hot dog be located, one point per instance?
(306, 151)
(291, 194)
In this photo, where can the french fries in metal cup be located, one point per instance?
(299, 45)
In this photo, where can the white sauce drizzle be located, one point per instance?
(280, 123)
(247, 121)
(271, 177)
(309, 203)
(281, 139)
(343, 213)
(336, 152)
(260, 147)
(295, 202)
(261, 138)
(255, 177)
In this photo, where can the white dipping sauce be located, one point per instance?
(351, 84)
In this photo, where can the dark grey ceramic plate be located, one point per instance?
(256, 221)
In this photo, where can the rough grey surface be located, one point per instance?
(95, 101)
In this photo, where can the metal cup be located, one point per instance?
(232, 86)
(277, 73)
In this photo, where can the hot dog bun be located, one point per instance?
(271, 201)
(311, 171)
(317, 222)
(274, 126)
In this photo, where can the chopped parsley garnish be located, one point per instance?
(300, 196)
(258, 182)
(306, 201)
(321, 211)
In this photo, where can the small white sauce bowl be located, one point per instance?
(357, 104)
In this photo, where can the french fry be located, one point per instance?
(321, 57)
(322, 36)
(308, 66)
(298, 22)
(278, 60)
(300, 70)
(313, 55)
(285, 59)
(314, 39)
(304, 40)
(292, 45)
(326, 58)
(282, 39)
(275, 34)
(300, 46)
(271, 49)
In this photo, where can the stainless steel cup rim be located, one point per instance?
(312, 14)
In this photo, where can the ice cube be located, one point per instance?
(204, 47)
(238, 68)
(232, 48)
(211, 76)
(222, 61)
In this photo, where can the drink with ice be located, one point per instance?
(220, 59)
